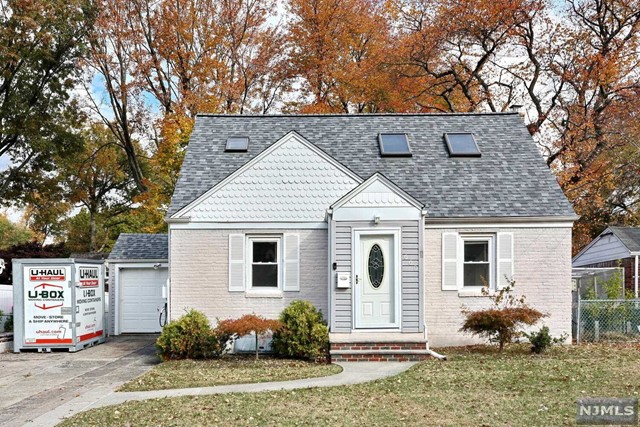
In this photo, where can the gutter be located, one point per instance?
(501, 219)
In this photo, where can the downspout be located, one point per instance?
(426, 336)
(429, 351)
(332, 273)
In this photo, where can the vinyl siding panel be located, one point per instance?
(342, 321)
(607, 248)
(410, 320)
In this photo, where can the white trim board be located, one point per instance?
(248, 225)
(455, 225)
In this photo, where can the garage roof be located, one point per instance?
(138, 246)
(629, 236)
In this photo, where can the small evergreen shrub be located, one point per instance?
(542, 340)
(191, 337)
(248, 324)
(304, 333)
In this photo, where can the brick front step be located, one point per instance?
(379, 351)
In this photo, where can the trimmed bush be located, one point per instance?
(191, 337)
(304, 333)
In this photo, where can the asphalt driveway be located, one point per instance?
(33, 384)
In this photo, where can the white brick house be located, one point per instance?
(387, 223)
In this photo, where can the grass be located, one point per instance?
(475, 387)
(228, 370)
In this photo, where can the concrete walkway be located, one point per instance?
(352, 373)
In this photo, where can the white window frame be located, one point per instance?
(249, 262)
(492, 257)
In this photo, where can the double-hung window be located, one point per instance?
(471, 261)
(477, 261)
(264, 269)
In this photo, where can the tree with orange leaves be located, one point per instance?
(159, 63)
(451, 49)
(340, 50)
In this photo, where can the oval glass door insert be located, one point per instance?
(376, 266)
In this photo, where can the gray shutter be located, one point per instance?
(236, 262)
(504, 259)
(449, 261)
(291, 262)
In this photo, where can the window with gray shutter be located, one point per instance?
(236, 262)
(291, 262)
(449, 261)
(505, 259)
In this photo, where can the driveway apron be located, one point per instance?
(34, 384)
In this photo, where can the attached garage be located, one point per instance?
(138, 273)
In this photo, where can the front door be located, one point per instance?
(376, 284)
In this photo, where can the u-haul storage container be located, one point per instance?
(58, 304)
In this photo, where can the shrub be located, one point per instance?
(501, 323)
(248, 324)
(304, 334)
(191, 337)
(542, 340)
(8, 324)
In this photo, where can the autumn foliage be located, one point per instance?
(246, 325)
(502, 322)
(149, 67)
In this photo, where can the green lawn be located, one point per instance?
(475, 387)
(228, 370)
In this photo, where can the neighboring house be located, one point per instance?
(138, 270)
(388, 223)
(614, 247)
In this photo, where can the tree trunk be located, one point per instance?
(256, 346)
(92, 231)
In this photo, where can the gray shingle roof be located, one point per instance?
(141, 246)
(510, 179)
(629, 236)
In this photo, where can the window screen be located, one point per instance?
(237, 143)
(476, 263)
(394, 145)
(264, 264)
(461, 145)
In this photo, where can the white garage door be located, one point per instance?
(141, 299)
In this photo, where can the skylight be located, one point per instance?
(237, 143)
(394, 145)
(462, 144)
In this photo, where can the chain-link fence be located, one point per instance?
(608, 320)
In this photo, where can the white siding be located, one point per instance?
(377, 194)
(605, 248)
(542, 269)
(199, 275)
(291, 183)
